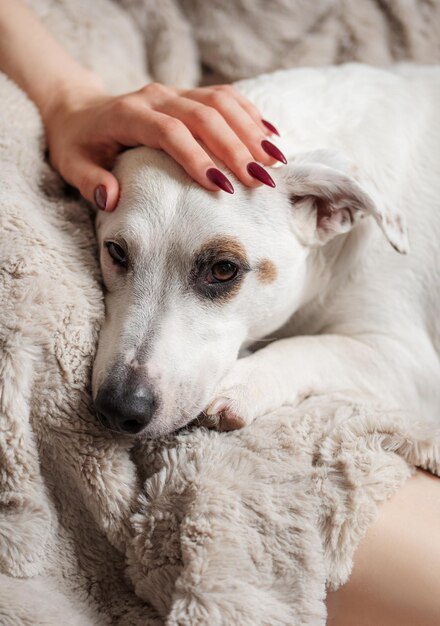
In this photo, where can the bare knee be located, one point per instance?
(396, 574)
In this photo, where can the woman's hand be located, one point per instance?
(85, 135)
(87, 128)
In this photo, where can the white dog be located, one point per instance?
(194, 277)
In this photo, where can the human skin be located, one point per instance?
(396, 575)
(79, 117)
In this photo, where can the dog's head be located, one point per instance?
(193, 276)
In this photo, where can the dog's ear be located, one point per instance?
(328, 201)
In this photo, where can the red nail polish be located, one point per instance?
(258, 172)
(101, 197)
(218, 178)
(273, 151)
(271, 127)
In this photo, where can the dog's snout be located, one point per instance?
(126, 405)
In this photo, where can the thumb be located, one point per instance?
(96, 184)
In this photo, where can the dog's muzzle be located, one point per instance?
(126, 404)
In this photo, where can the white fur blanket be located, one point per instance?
(244, 528)
(236, 39)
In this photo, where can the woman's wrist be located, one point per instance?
(68, 96)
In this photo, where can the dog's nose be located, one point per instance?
(126, 406)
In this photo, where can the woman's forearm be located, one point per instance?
(32, 58)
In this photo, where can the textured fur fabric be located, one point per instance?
(245, 528)
(237, 39)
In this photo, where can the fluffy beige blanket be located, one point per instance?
(236, 39)
(244, 528)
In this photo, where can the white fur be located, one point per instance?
(354, 314)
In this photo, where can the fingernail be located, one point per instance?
(101, 197)
(271, 127)
(258, 172)
(218, 178)
(273, 151)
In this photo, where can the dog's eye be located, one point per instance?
(222, 272)
(117, 253)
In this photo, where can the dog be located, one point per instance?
(227, 307)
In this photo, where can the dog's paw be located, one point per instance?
(243, 395)
(254, 386)
(229, 412)
(221, 418)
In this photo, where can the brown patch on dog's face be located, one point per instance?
(267, 271)
(219, 250)
(225, 247)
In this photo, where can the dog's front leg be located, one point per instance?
(287, 371)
